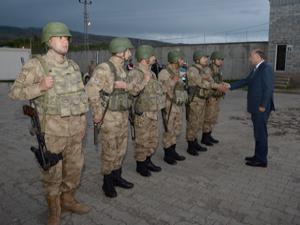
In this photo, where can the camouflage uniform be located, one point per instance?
(200, 84)
(146, 122)
(212, 110)
(62, 133)
(114, 130)
(61, 110)
(149, 100)
(176, 98)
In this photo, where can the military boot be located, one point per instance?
(54, 210)
(198, 147)
(108, 186)
(176, 156)
(151, 166)
(142, 168)
(191, 148)
(69, 203)
(205, 139)
(119, 181)
(169, 156)
(214, 141)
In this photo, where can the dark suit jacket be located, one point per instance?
(260, 88)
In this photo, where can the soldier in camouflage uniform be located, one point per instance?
(149, 100)
(176, 97)
(200, 84)
(54, 83)
(212, 109)
(109, 105)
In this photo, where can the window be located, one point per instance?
(281, 57)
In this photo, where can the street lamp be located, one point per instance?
(86, 22)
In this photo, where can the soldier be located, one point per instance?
(200, 84)
(176, 97)
(149, 100)
(54, 83)
(212, 109)
(110, 108)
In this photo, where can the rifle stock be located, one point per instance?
(45, 158)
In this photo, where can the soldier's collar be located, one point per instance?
(143, 67)
(117, 61)
(172, 71)
(54, 56)
(199, 66)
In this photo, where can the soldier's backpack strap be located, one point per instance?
(172, 74)
(45, 99)
(113, 70)
(138, 96)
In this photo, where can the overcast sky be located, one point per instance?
(189, 21)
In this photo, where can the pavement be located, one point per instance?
(215, 188)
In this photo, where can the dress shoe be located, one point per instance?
(256, 164)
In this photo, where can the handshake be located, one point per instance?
(223, 87)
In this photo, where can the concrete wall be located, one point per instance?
(236, 63)
(285, 30)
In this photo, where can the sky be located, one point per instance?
(185, 21)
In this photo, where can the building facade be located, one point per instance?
(284, 38)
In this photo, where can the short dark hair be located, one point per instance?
(260, 52)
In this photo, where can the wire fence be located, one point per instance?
(246, 34)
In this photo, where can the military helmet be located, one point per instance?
(198, 54)
(55, 29)
(144, 52)
(119, 44)
(175, 55)
(217, 55)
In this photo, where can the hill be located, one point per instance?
(30, 37)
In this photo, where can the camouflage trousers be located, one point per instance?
(113, 134)
(211, 114)
(65, 175)
(174, 125)
(146, 135)
(195, 118)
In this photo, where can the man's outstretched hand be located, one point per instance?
(224, 87)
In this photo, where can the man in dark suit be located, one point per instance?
(260, 84)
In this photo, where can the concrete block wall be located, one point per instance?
(236, 64)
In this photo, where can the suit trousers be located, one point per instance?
(260, 120)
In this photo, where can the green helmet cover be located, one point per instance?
(198, 54)
(144, 52)
(175, 55)
(119, 44)
(55, 29)
(217, 55)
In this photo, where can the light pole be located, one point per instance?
(86, 22)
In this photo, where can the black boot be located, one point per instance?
(141, 168)
(205, 139)
(176, 156)
(108, 186)
(151, 166)
(215, 141)
(168, 158)
(191, 148)
(198, 147)
(119, 181)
